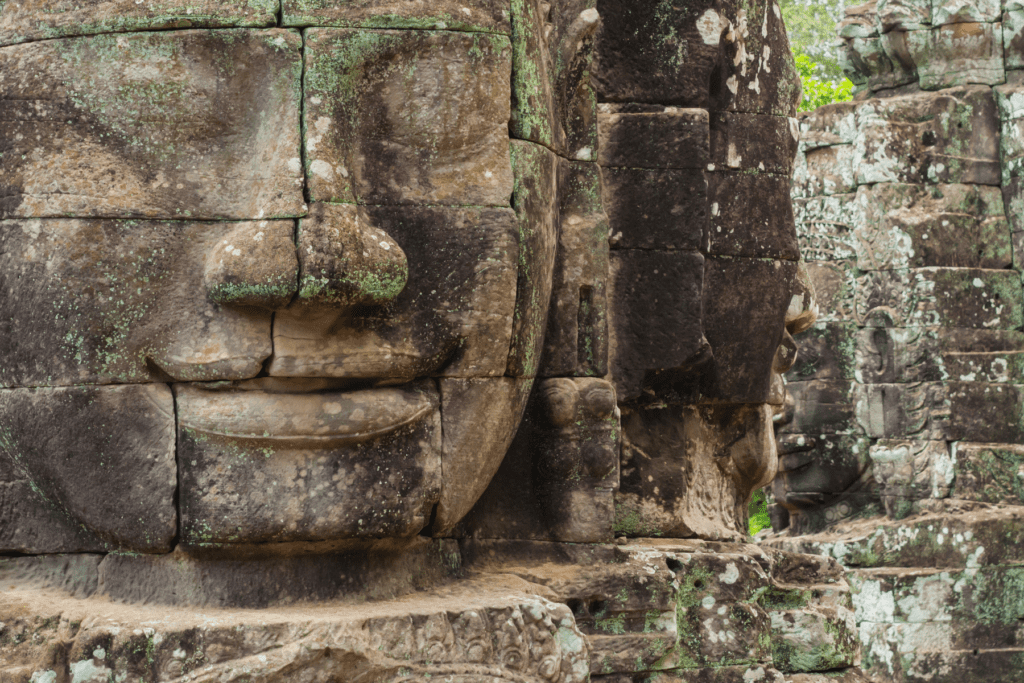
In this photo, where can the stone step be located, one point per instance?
(939, 610)
(949, 539)
(990, 473)
(957, 666)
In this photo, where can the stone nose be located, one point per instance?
(345, 261)
(341, 261)
(253, 265)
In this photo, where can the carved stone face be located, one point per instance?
(264, 287)
(706, 288)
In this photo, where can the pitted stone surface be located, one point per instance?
(29, 20)
(407, 117)
(314, 298)
(191, 125)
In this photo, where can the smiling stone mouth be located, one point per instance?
(316, 411)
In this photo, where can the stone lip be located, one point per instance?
(241, 411)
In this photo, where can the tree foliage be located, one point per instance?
(819, 92)
(811, 26)
(758, 512)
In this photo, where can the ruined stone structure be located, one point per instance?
(396, 340)
(907, 399)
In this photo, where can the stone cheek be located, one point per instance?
(745, 300)
(110, 301)
(88, 469)
(453, 317)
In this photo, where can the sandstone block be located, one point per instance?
(487, 631)
(825, 170)
(87, 469)
(112, 301)
(673, 460)
(553, 103)
(997, 666)
(577, 337)
(44, 19)
(816, 470)
(867, 63)
(824, 406)
(895, 355)
(224, 578)
(576, 470)
(983, 355)
(984, 411)
(535, 201)
(835, 289)
(479, 418)
(757, 73)
(257, 467)
(1013, 197)
(748, 142)
(452, 318)
(825, 225)
(1011, 113)
(489, 16)
(908, 226)
(826, 351)
(192, 125)
(714, 674)
(1013, 38)
(765, 229)
(645, 55)
(654, 317)
(345, 262)
(951, 137)
(832, 124)
(853, 674)
(814, 639)
(946, 297)
(745, 300)
(533, 114)
(407, 117)
(965, 11)
(677, 138)
(957, 54)
(655, 208)
(919, 410)
(962, 610)
(965, 539)
(990, 473)
(861, 21)
(896, 45)
(558, 478)
(909, 471)
(903, 14)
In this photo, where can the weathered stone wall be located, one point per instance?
(279, 281)
(908, 393)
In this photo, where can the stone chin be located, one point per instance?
(261, 467)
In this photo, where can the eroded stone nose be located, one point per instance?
(254, 265)
(345, 261)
